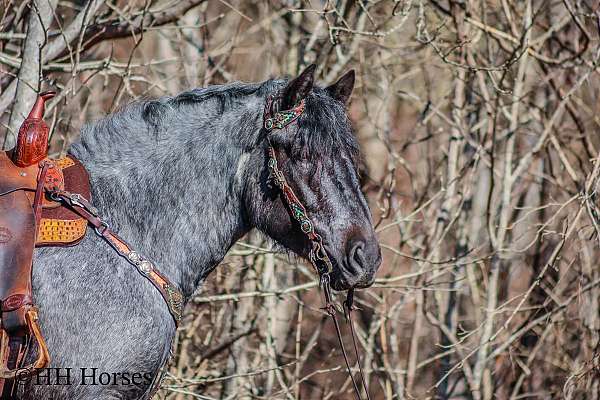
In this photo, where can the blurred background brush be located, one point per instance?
(478, 121)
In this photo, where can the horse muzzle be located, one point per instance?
(357, 268)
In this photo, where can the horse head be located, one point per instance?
(317, 153)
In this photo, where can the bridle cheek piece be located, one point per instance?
(317, 256)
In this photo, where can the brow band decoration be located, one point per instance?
(281, 119)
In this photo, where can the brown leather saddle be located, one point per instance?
(29, 219)
(45, 202)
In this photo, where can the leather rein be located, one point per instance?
(318, 256)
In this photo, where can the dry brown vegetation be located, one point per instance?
(479, 125)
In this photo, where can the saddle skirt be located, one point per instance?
(59, 225)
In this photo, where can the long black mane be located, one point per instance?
(324, 128)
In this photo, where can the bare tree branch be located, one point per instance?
(27, 87)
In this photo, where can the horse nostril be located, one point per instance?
(356, 258)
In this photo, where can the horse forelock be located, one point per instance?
(324, 130)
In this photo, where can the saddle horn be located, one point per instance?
(32, 141)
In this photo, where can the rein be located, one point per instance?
(318, 256)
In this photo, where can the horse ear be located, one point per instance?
(342, 89)
(298, 88)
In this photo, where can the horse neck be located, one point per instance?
(176, 197)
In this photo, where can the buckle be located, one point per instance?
(100, 230)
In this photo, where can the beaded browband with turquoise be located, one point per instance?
(281, 119)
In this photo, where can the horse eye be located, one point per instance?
(303, 162)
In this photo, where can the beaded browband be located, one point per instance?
(280, 119)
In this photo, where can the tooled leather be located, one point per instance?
(171, 295)
(54, 177)
(64, 162)
(16, 301)
(60, 231)
(59, 225)
(17, 223)
(32, 145)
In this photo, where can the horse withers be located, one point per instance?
(182, 179)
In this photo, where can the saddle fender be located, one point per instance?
(29, 219)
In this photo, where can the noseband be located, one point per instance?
(317, 256)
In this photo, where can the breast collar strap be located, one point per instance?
(317, 256)
(172, 296)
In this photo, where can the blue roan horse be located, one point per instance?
(181, 179)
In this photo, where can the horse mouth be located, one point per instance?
(342, 280)
(340, 283)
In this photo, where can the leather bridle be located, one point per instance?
(317, 256)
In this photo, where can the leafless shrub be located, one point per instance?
(479, 126)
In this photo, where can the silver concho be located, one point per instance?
(306, 226)
(145, 266)
(134, 257)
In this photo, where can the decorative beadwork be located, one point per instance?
(298, 210)
(175, 301)
(281, 119)
(318, 256)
